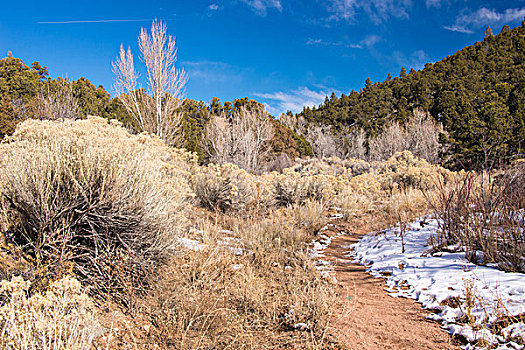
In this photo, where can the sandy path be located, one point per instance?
(373, 319)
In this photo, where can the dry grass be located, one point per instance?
(311, 215)
(253, 286)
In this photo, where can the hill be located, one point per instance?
(478, 94)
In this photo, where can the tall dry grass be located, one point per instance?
(483, 214)
(253, 286)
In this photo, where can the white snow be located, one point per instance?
(316, 252)
(432, 279)
(190, 244)
(233, 244)
(301, 326)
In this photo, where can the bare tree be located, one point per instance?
(355, 144)
(56, 101)
(324, 143)
(243, 139)
(296, 123)
(153, 109)
(423, 135)
(420, 135)
(386, 144)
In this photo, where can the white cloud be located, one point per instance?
(368, 41)
(433, 3)
(320, 42)
(212, 72)
(371, 40)
(343, 9)
(280, 102)
(467, 21)
(378, 10)
(315, 42)
(458, 28)
(261, 6)
(213, 7)
(416, 60)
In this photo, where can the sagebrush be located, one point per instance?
(87, 196)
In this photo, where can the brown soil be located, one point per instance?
(372, 319)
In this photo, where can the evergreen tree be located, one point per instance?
(488, 32)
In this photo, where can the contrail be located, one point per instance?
(98, 21)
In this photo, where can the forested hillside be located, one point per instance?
(478, 94)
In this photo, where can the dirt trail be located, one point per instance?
(373, 319)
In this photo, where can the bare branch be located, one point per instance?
(155, 109)
(243, 140)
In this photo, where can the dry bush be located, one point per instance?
(396, 190)
(251, 289)
(312, 180)
(404, 170)
(229, 188)
(88, 196)
(362, 195)
(290, 188)
(512, 181)
(242, 139)
(419, 135)
(331, 181)
(477, 215)
(57, 101)
(62, 318)
(279, 163)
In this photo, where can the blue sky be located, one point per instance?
(284, 53)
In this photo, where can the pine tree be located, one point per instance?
(488, 32)
(403, 73)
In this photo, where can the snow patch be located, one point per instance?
(443, 281)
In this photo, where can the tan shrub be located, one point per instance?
(363, 194)
(295, 185)
(62, 318)
(225, 187)
(89, 193)
(290, 188)
(403, 170)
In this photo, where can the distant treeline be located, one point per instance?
(28, 91)
(478, 94)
